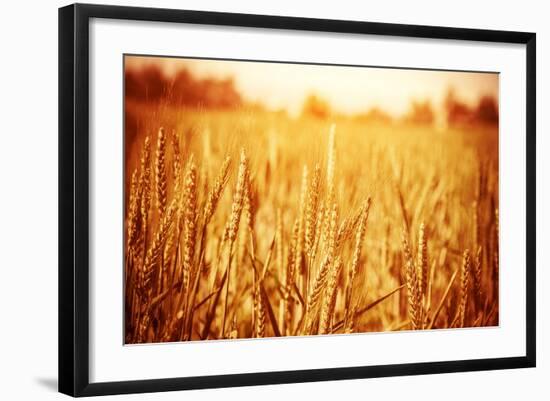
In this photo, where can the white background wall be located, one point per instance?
(28, 200)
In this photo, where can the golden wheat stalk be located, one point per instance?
(495, 264)
(152, 264)
(477, 277)
(464, 283)
(359, 238)
(216, 191)
(250, 204)
(316, 293)
(327, 309)
(132, 245)
(413, 289)
(311, 212)
(422, 259)
(145, 188)
(133, 212)
(176, 161)
(155, 251)
(280, 261)
(323, 273)
(189, 238)
(212, 200)
(290, 271)
(422, 266)
(232, 227)
(160, 173)
(299, 252)
(260, 313)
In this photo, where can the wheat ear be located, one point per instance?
(160, 172)
(133, 216)
(190, 229)
(216, 192)
(311, 212)
(145, 187)
(359, 238)
(330, 298)
(477, 277)
(413, 290)
(464, 283)
(232, 227)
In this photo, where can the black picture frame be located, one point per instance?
(74, 194)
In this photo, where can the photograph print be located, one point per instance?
(273, 199)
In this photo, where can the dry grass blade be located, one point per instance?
(359, 312)
(443, 299)
(212, 311)
(270, 313)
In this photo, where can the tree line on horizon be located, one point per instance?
(151, 85)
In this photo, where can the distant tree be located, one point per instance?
(487, 110)
(222, 94)
(316, 107)
(185, 89)
(421, 112)
(150, 84)
(458, 113)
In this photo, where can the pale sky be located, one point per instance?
(348, 89)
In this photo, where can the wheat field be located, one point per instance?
(249, 224)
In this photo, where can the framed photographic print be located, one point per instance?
(249, 199)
